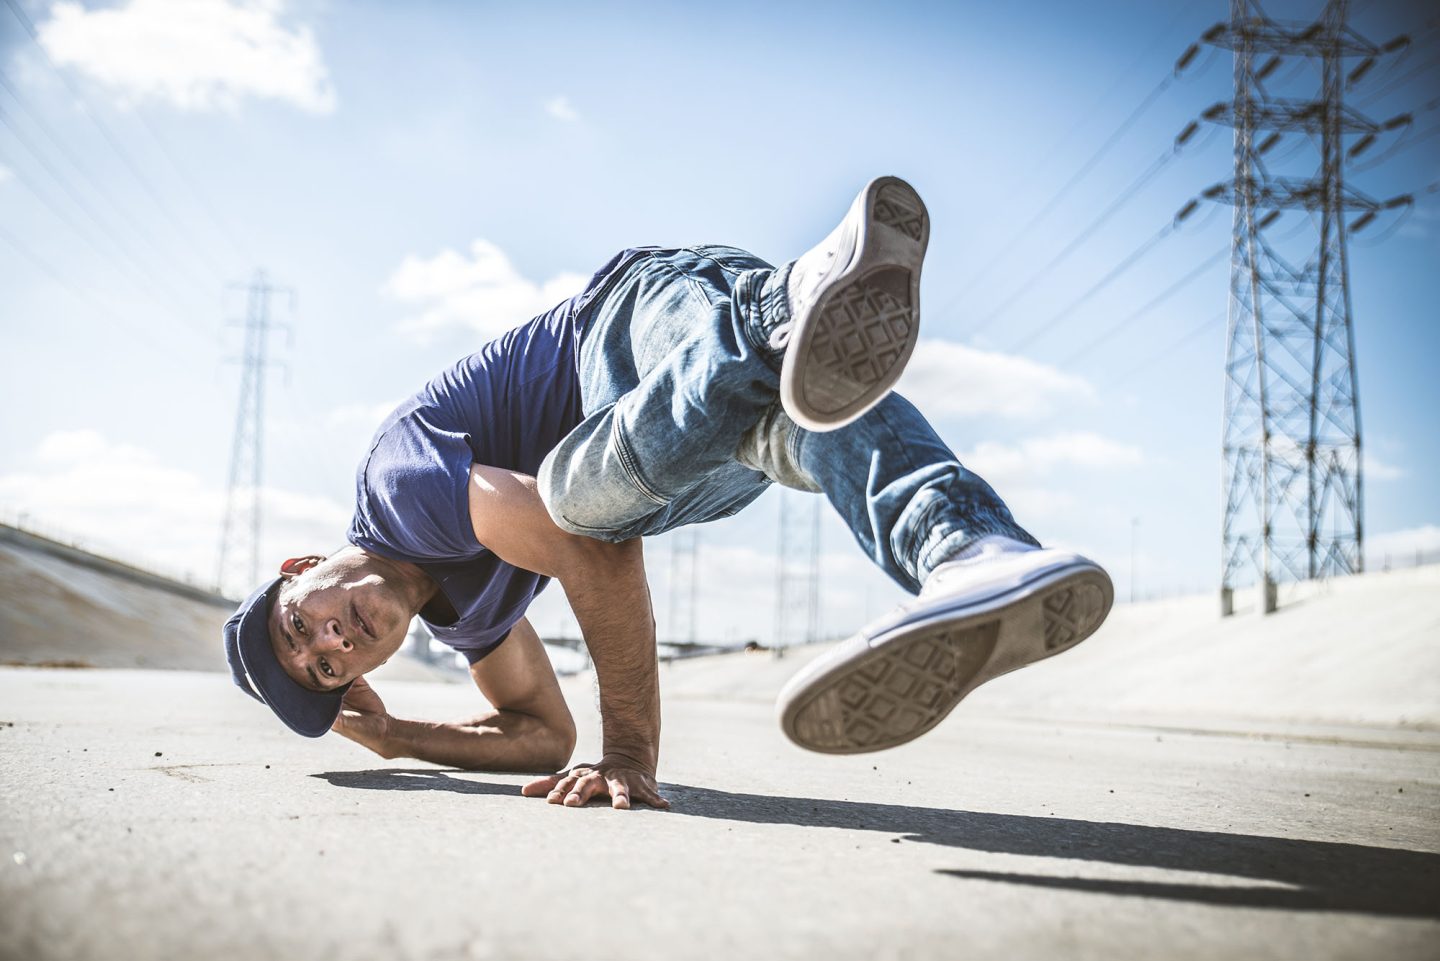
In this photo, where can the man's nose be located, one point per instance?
(333, 638)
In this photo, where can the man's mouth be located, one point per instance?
(364, 627)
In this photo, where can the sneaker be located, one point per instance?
(854, 308)
(973, 621)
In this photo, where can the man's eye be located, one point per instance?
(325, 668)
(295, 622)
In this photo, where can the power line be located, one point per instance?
(1160, 298)
(1401, 80)
(1400, 148)
(77, 292)
(83, 103)
(1047, 156)
(1060, 194)
(75, 164)
(1099, 285)
(215, 221)
(1150, 361)
(1031, 282)
(84, 235)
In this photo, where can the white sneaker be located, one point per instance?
(854, 308)
(973, 621)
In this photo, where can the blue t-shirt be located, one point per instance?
(506, 406)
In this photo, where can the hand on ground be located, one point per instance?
(362, 715)
(616, 777)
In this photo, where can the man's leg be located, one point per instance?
(671, 378)
(682, 373)
(688, 351)
(990, 599)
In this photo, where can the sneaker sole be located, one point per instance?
(909, 681)
(862, 328)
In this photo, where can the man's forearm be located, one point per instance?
(498, 741)
(611, 601)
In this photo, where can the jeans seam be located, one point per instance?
(689, 280)
(910, 545)
(629, 465)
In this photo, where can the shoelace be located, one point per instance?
(780, 335)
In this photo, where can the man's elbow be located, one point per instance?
(583, 558)
(559, 745)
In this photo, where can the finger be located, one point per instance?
(566, 785)
(591, 785)
(619, 793)
(541, 786)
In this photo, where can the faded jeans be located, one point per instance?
(679, 374)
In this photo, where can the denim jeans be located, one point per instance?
(679, 365)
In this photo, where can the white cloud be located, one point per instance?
(195, 54)
(1401, 547)
(946, 379)
(5, 173)
(122, 500)
(365, 417)
(1376, 469)
(1019, 471)
(1036, 457)
(484, 292)
(561, 108)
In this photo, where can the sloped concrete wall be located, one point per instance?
(60, 604)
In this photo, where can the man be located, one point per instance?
(673, 390)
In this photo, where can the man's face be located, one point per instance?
(335, 620)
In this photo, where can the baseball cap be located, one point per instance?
(259, 674)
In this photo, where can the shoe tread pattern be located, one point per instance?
(896, 694)
(898, 208)
(1072, 614)
(861, 336)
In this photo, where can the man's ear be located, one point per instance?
(299, 565)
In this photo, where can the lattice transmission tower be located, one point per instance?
(797, 575)
(238, 566)
(684, 584)
(1292, 478)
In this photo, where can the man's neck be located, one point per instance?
(415, 587)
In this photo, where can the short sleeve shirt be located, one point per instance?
(505, 406)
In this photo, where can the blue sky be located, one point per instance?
(425, 175)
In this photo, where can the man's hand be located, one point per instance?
(363, 718)
(617, 776)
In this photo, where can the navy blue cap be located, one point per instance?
(259, 674)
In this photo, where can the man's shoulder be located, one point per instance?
(412, 493)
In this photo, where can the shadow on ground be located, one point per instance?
(1313, 875)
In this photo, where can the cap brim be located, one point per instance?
(247, 644)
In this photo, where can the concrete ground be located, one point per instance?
(160, 814)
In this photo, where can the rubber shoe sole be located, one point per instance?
(852, 340)
(878, 693)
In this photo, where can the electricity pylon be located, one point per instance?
(1292, 480)
(239, 561)
(684, 584)
(797, 580)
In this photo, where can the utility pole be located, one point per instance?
(239, 560)
(797, 574)
(684, 583)
(1291, 483)
(1134, 568)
